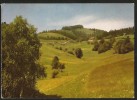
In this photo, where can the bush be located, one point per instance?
(55, 73)
(96, 46)
(101, 48)
(55, 62)
(78, 53)
(104, 47)
(61, 66)
(101, 41)
(70, 52)
(112, 40)
(56, 66)
(123, 46)
(60, 48)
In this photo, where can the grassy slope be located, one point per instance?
(50, 35)
(95, 75)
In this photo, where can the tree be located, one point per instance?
(112, 40)
(124, 46)
(55, 73)
(101, 41)
(20, 54)
(55, 62)
(78, 53)
(57, 66)
(127, 40)
(96, 46)
(104, 47)
(62, 66)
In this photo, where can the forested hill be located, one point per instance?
(75, 32)
(129, 30)
(79, 33)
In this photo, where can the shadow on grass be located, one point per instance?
(42, 95)
(30, 93)
(37, 94)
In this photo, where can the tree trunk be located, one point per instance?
(21, 92)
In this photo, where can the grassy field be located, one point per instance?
(95, 75)
(49, 34)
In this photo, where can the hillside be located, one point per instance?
(51, 36)
(76, 32)
(95, 75)
(79, 33)
(60, 51)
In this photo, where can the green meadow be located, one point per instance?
(95, 75)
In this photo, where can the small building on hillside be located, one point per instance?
(91, 40)
(124, 34)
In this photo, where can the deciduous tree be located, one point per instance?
(20, 54)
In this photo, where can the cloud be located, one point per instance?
(110, 24)
(73, 21)
(94, 22)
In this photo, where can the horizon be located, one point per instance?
(90, 28)
(54, 16)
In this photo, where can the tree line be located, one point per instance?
(121, 46)
(120, 32)
(53, 38)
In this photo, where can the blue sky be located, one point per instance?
(106, 16)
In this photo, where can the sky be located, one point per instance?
(105, 16)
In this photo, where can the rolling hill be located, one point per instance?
(95, 75)
(72, 32)
(50, 35)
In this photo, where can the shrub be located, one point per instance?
(101, 48)
(104, 47)
(70, 52)
(123, 46)
(96, 46)
(101, 41)
(55, 73)
(78, 53)
(60, 48)
(62, 66)
(55, 62)
(65, 49)
(112, 40)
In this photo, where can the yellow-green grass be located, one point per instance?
(50, 34)
(95, 75)
(113, 79)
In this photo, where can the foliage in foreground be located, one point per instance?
(20, 67)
